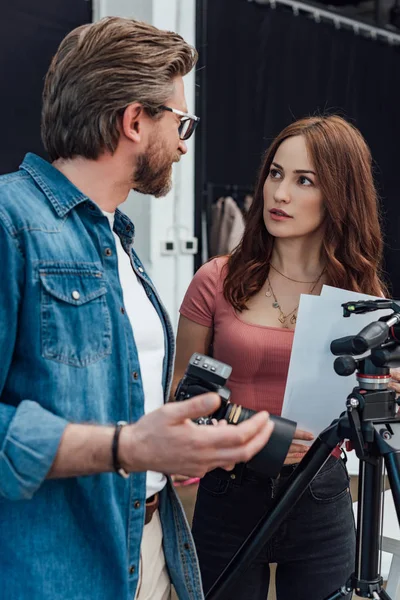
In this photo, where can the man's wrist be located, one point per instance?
(118, 468)
(125, 449)
(83, 450)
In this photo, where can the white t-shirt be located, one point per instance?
(149, 339)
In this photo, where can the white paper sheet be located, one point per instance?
(315, 395)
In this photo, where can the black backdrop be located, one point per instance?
(261, 68)
(30, 32)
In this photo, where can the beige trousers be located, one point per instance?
(154, 582)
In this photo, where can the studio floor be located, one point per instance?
(188, 496)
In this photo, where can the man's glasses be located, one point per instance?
(188, 123)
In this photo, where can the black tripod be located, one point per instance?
(371, 424)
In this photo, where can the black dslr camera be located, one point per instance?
(204, 374)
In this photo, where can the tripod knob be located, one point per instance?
(345, 365)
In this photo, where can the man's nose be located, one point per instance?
(182, 147)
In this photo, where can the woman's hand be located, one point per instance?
(183, 480)
(297, 451)
(395, 383)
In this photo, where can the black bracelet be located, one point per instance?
(116, 465)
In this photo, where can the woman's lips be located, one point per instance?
(279, 215)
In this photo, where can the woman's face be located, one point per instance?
(293, 203)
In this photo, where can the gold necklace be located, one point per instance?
(282, 317)
(290, 279)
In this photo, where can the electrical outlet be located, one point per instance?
(189, 246)
(168, 247)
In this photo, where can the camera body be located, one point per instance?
(205, 374)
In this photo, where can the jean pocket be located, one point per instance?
(331, 484)
(214, 485)
(75, 320)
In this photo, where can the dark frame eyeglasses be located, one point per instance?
(188, 122)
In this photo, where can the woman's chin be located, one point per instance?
(280, 230)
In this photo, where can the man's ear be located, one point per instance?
(132, 122)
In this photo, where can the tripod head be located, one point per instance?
(377, 349)
(381, 338)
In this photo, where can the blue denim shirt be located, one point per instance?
(71, 357)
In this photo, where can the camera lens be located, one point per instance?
(235, 414)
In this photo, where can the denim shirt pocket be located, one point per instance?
(75, 320)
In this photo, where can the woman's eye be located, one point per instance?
(305, 180)
(275, 174)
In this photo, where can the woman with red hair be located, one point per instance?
(314, 220)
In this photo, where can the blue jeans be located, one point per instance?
(314, 546)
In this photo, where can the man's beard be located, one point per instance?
(153, 173)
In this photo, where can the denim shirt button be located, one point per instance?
(132, 569)
(122, 310)
(137, 504)
(141, 270)
(135, 375)
(76, 295)
(108, 252)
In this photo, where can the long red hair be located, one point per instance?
(352, 245)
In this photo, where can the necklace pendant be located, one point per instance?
(268, 293)
(275, 305)
(293, 319)
(282, 320)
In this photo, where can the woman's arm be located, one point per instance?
(191, 338)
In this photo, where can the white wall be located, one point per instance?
(172, 217)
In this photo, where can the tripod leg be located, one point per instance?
(367, 581)
(392, 463)
(369, 523)
(383, 595)
(342, 593)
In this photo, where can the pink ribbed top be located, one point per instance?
(259, 355)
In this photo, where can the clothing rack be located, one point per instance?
(211, 193)
(216, 190)
(338, 20)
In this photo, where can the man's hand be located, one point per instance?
(168, 441)
(297, 451)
